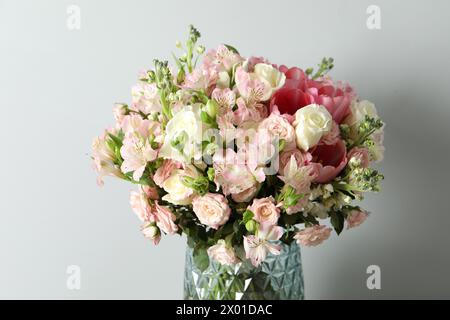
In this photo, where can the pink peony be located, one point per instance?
(211, 209)
(164, 218)
(313, 236)
(361, 155)
(331, 159)
(356, 218)
(265, 211)
(223, 254)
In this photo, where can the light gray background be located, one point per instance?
(57, 88)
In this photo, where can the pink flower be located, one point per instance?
(265, 211)
(211, 209)
(331, 159)
(257, 246)
(299, 178)
(150, 231)
(221, 59)
(119, 111)
(150, 192)
(355, 218)
(246, 195)
(141, 207)
(145, 98)
(164, 172)
(164, 218)
(225, 98)
(313, 236)
(223, 254)
(137, 150)
(300, 91)
(361, 155)
(249, 87)
(104, 159)
(248, 112)
(302, 159)
(332, 136)
(278, 126)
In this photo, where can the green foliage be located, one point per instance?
(201, 258)
(200, 184)
(324, 67)
(337, 221)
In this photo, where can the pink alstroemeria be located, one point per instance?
(257, 246)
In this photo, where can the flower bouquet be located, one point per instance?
(248, 159)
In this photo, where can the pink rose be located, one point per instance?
(361, 155)
(163, 172)
(223, 254)
(356, 218)
(265, 211)
(313, 236)
(278, 126)
(330, 159)
(164, 218)
(302, 159)
(211, 209)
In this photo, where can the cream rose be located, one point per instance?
(264, 211)
(311, 123)
(183, 138)
(223, 254)
(177, 192)
(270, 77)
(211, 209)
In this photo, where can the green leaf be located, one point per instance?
(337, 220)
(247, 216)
(201, 258)
(231, 48)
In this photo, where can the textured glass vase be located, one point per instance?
(277, 278)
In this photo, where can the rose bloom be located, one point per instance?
(177, 192)
(223, 254)
(361, 155)
(211, 209)
(356, 218)
(164, 172)
(313, 236)
(311, 123)
(265, 211)
(150, 231)
(278, 126)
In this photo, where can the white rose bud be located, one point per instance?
(311, 123)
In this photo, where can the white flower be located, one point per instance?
(359, 110)
(183, 138)
(271, 77)
(177, 192)
(223, 80)
(311, 123)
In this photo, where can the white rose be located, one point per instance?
(177, 192)
(311, 123)
(271, 77)
(359, 110)
(183, 138)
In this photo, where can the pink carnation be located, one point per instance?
(355, 218)
(313, 236)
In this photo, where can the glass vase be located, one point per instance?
(277, 278)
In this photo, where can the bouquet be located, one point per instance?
(242, 155)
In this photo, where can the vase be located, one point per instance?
(279, 277)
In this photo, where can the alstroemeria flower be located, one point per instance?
(257, 246)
